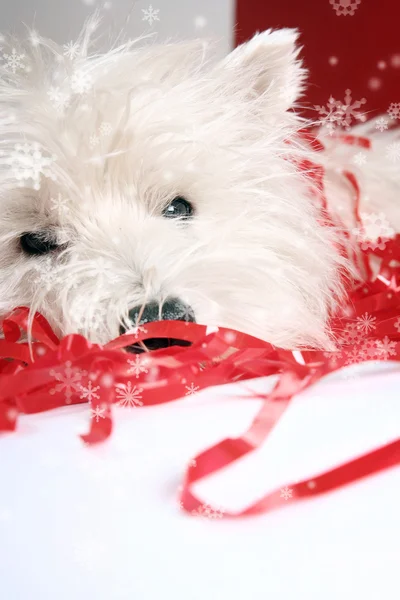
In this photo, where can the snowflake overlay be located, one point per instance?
(128, 395)
(393, 151)
(34, 38)
(381, 124)
(366, 322)
(150, 15)
(191, 389)
(207, 512)
(69, 380)
(103, 269)
(136, 330)
(386, 348)
(59, 98)
(352, 334)
(374, 232)
(80, 82)
(47, 276)
(360, 158)
(337, 115)
(137, 367)
(94, 141)
(71, 50)
(345, 7)
(185, 314)
(394, 110)
(98, 412)
(88, 320)
(60, 204)
(369, 350)
(286, 493)
(29, 163)
(89, 392)
(14, 61)
(105, 128)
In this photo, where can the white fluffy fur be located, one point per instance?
(253, 258)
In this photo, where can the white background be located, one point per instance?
(178, 19)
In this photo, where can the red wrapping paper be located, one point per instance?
(52, 373)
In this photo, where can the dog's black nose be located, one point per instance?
(171, 310)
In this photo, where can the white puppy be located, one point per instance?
(149, 183)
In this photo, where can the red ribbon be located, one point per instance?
(52, 372)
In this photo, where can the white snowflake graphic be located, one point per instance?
(137, 366)
(191, 389)
(14, 61)
(345, 7)
(397, 325)
(105, 129)
(102, 269)
(34, 38)
(136, 330)
(381, 124)
(353, 356)
(80, 82)
(128, 395)
(337, 114)
(150, 14)
(88, 319)
(286, 493)
(29, 164)
(69, 380)
(60, 204)
(94, 141)
(333, 358)
(98, 412)
(386, 348)
(366, 322)
(374, 232)
(47, 275)
(185, 313)
(206, 511)
(393, 151)
(360, 158)
(369, 350)
(71, 50)
(394, 110)
(89, 392)
(59, 98)
(351, 335)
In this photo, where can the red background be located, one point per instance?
(359, 42)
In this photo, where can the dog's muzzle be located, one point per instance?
(171, 310)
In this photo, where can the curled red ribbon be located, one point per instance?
(52, 372)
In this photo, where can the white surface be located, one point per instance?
(103, 523)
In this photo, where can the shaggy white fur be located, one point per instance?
(94, 147)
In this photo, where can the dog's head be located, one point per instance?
(149, 183)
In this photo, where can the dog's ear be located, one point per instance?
(268, 65)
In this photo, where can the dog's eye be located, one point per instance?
(37, 243)
(178, 208)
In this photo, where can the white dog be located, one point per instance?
(149, 183)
